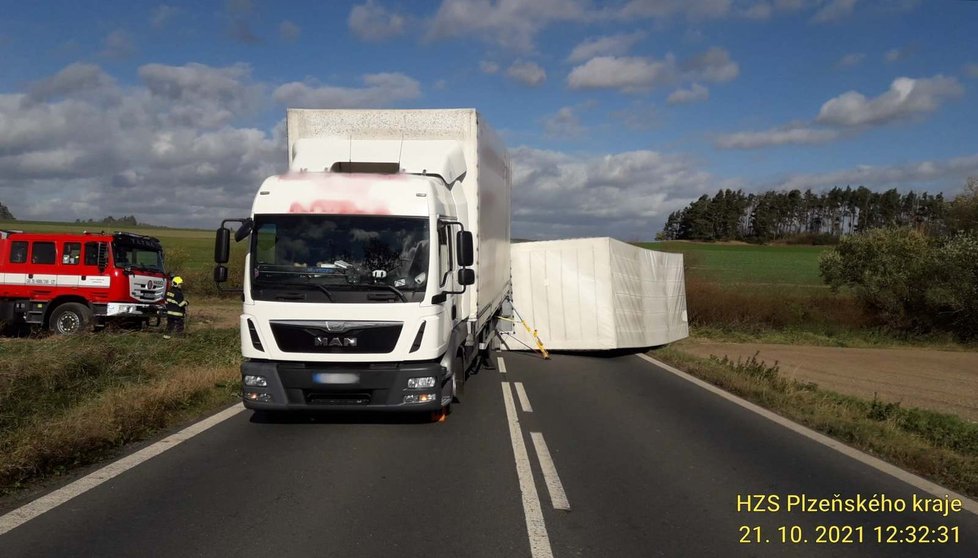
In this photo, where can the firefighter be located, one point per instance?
(176, 307)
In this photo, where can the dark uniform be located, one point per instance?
(176, 308)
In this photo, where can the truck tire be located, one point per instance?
(70, 318)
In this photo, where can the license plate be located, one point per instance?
(335, 378)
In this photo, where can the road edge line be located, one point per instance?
(536, 528)
(16, 518)
(913, 480)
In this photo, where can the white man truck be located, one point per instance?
(378, 265)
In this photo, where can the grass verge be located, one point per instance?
(941, 447)
(67, 402)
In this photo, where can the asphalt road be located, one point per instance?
(650, 465)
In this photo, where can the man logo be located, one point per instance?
(349, 342)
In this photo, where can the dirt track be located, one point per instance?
(939, 380)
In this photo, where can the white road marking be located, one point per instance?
(524, 400)
(502, 365)
(50, 501)
(535, 527)
(558, 498)
(878, 464)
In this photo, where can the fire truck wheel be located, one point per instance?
(70, 318)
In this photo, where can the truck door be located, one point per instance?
(93, 264)
(68, 275)
(43, 273)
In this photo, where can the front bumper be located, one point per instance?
(312, 386)
(128, 310)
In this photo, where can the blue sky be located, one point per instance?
(616, 113)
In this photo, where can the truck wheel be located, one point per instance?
(70, 318)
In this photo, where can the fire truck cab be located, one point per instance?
(71, 282)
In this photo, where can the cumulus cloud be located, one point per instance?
(777, 136)
(79, 146)
(373, 22)
(633, 74)
(289, 31)
(690, 9)
(510, 23)
(852, 112)
(611, 45)
(834, 10)
(626, 195)
(850, 60)
(527, 73)
(379, 90)
(696, 93)
(944, 175)
(563, 124)
(906, 98)
(162, 15)
(117, 44)
(488, 67)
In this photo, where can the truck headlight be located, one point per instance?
(421, 383)
(255, 381)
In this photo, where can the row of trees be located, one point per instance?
(735, 215)
(127, 221)
(5, 213)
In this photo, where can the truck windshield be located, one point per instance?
(137, 257)
(339, 258)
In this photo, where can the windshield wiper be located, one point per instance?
(394, 290)
(321, 288)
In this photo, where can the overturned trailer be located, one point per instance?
(597, 294)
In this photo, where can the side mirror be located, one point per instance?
(464, 250)
(466, 276)
(220, 274)
(222, 246)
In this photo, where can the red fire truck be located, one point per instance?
(72, 282)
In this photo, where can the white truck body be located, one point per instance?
(352, 285)
(587, 294)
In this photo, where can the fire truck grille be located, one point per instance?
(147, 289)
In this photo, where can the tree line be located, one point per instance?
(5, 213)
(824, 216)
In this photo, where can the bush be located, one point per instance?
(909, 281)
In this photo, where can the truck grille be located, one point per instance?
(147, 289)
(351, 337)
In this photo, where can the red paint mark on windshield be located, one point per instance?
(338, 207)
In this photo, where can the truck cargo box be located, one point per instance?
(597, 294)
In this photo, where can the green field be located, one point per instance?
(748, 263)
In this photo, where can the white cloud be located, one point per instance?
(850, 60)
(373, 22)
(851, 113)
(694, 94)
(563, 124)
(162, 15)
(510, 23)
(117, 44)
(778, 136)
(165, 149)
(379, 90)
(527, 73)
(906, 98)
(947, 175)
(626, 195)
(488, 67)
(611, 45)
(690, 9)
(834, 10)
(289, 31)
(633, 74)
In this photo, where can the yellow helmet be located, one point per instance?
(177, 280)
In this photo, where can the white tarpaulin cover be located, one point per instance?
(597, 293)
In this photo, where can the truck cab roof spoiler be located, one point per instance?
(441, 158)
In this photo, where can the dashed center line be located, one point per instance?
(535, 527)
(502, 365)
(558, 498)
(524, 400)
